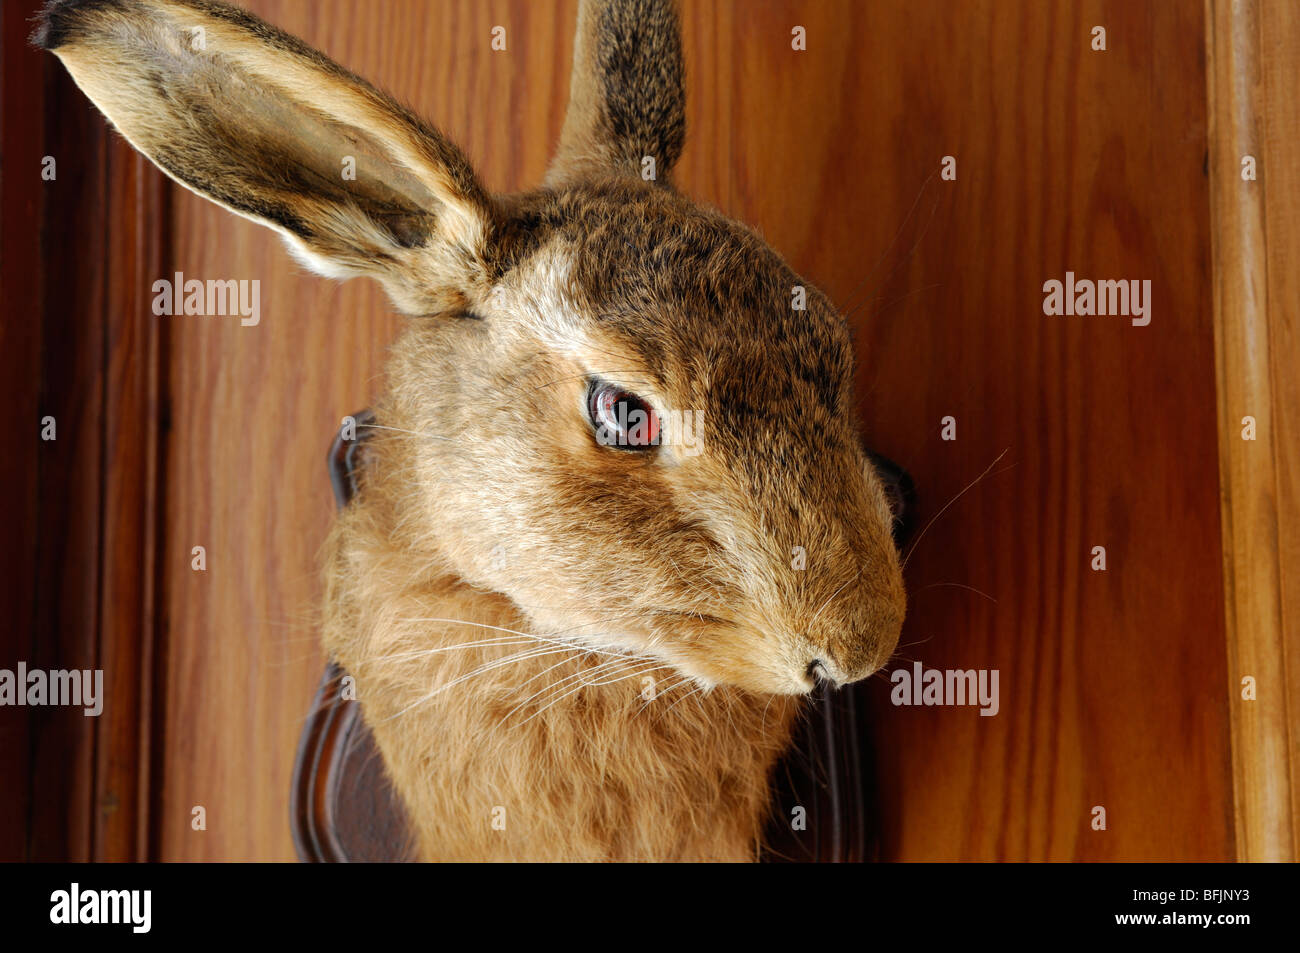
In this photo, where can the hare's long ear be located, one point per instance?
(627, 102)
(256, 121)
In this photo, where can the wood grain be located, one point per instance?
(22, 208)
(1253, 53)
(1067, 159)
(1280, 65)
(78, 348)
(66, 283)
(134, 374)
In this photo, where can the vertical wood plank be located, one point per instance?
(76, 348)
(1280, 57)
(74, 315)
(22, 208)
(134, 415)
(1253, 51)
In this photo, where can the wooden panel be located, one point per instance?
(1280, 66)
(134, 373)
(77, 250)
(59, 304)
(1067, 160)
(1254, 55)
(22, 204)
(80, 251)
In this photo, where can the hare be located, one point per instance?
(566, 588)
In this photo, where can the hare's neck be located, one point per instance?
(506, 745)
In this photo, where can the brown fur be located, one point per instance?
(603, 648)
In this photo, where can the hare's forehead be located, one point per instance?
(673, 310)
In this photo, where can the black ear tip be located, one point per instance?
(57, 21)
(51, 25)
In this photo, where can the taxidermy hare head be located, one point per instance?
(619, 418)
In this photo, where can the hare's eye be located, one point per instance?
(621, 419)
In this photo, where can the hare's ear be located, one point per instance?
(261, 124)
(627, 103)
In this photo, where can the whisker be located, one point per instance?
(904, 258)
(573, 377)
(553, 685)
(958, 585)
(555, 701)
(897, 301)
(672, 687)
(917, 642)
(434, 650)
(693, 691)
(890, 247)
(833, 595)
(963, 492)
(480, 670)
(539, 638)
(416, 433)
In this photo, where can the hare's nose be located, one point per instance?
(856, 666)
(901, 493)
(816, 669)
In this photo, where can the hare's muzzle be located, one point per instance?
(854, 655)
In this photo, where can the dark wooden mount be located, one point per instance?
(345, 810)
(343, 807)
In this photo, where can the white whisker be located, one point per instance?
(963, 492)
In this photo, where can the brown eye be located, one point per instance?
(621, 419)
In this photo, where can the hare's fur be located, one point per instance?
(571, 755)
(564, 650)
